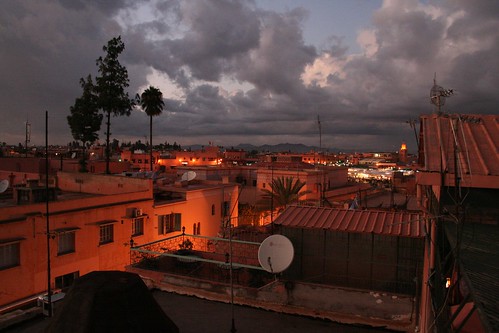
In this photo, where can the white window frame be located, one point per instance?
(138, 226)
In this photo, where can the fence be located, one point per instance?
(204, 258)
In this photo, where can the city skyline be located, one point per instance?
(253, 72)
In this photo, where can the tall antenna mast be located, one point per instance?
(320, 137)
(28, 136)
(321, 194)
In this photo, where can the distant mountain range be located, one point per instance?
(281, 147)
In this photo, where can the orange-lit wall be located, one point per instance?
(84, 212)
(198, 208)
(331, 177)
(207, 156)
(30, 277)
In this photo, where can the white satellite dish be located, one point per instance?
(73, 155)
(276, 253)
(188, 176)
(4, 185)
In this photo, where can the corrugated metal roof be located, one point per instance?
(477, 139)
(478, 261)
(405, 224)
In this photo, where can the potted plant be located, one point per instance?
(185, 247)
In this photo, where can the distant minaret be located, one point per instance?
(403, 153)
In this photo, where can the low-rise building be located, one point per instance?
(91, 221)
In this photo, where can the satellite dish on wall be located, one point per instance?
(4, 185)
(275, 253)
(188, 176)
(73, 155)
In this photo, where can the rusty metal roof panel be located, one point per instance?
(469, 141)
(404, 224)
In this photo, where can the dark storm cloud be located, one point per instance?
(45, 49)
(203, 48)
(277, 64)
(220, 30)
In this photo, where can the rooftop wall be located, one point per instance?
(102, 184)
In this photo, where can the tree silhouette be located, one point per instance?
(151, 101)
(85, 119)
(110, 87)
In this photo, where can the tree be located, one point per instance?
(151, 101)
(248, 215)
(85, 119)
(110, 88)
(283, 192)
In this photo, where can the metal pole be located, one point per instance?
(233, 327)
(272, 196)
(49, 290)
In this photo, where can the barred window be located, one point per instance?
(106, 234)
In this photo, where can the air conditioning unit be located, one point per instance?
(138, 212)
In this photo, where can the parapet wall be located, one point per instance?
(342, 305)
(102, 184)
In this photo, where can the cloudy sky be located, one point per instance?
(257, 72)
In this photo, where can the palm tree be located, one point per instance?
(283, 191)
(151, 101)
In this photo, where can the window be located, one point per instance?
(63, 282)
(225, 208)
(138, 226)
(66, 243)
(9, 255)
(196, 228)
(169, 223)
(106, 234)
(212, 209)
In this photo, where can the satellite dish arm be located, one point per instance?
(270, 265)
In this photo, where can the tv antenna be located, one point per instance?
(320, 136)
(438, 94)
(275, 254)
(412, 123)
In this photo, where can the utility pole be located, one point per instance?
(49, 288)
(27, 137)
